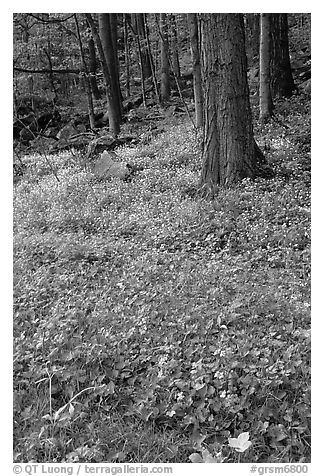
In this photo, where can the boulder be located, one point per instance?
(107, 166)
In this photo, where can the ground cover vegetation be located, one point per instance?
(152, 324)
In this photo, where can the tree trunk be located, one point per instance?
(229, 152)
(138, 23)
(165, 70)
(196, 68)
(140, 55)
(114, 38)
(282, 82)
(93, 69)
(126, 52)
(153, 68)
(113, 115)
(266, 104)
(85, 77)
(174, 47)
(51, 74)
(106, 37)
(253, 36)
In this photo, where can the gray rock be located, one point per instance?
(107, 166)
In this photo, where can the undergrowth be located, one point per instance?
(151, 325)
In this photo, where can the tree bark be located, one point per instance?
(108, 40)
(93, 69)
(138, 24)
(282, 82)
(126, 53)
(85, 76)
(229, 152)
(165, 70)
(196, 68)
(174, 46)
(253, 37)
(266, 104)
(140, 56)
(114, 38)
(153, 68)
(113, 115)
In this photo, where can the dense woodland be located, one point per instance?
(161, 237)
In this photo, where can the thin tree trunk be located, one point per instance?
(140, 56)
(86, 76)
(114, 38)
(174, 47)
(266, 104)
(126, 53)
(196, 68)
(51, 75)
(138, 22)
(93, 69)
(147, 38)
(114, 118)
(165, 70)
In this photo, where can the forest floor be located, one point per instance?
(151, 325)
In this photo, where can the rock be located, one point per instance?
(107, 166)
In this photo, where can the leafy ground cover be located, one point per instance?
(151, 325)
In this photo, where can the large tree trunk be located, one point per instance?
(165, 70)
(229, 152)
(282, 82)
(196, 68)
(266, 104)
